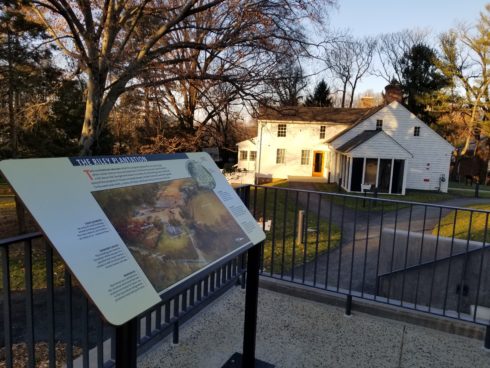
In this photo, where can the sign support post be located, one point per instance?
(126, 344)
(247, 359)
(251, 302)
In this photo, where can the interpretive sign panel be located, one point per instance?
(132, 228)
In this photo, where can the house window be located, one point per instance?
(379, 124)
(323, 128)
(253, 155)
(280, 156)
(243, 155)
(416, 131)
(281, 130)
(305, 157)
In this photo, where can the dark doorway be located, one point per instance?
(317, 163)
(397, 185)
(384, 176)
(355, 184)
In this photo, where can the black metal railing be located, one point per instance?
(46, 318)
(426, 257)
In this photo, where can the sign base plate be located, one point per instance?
(236, 362)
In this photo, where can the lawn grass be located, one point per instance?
(460, 229)
(282, 251)
(410, 196)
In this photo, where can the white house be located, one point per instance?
(385, 146)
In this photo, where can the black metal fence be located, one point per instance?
(47, 320)
(425, 257)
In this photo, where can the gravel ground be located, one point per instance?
(294, 332)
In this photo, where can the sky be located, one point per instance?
(369, 18)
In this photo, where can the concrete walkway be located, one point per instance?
(294, 332)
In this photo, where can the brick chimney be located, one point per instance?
(393, 92)
(367, 101)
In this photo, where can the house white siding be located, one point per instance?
(247, 146)
(431, 153)
(299, 137)
(380, 146)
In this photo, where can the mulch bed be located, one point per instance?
(19, 352)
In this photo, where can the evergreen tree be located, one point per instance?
(321, 96)
(421, 80)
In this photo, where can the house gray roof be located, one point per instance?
(317, 114)
(357, 140)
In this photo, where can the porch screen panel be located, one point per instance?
(371, 170)
(384, 176)
(397, 185)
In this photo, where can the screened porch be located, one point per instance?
(366, 173)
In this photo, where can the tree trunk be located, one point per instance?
(11, 92)
(466, 144)
(344, 92)
(97, 110)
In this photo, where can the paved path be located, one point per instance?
(361, 241)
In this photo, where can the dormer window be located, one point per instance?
(379, 124)
(416, 131)
(323, 129)
(281, 130)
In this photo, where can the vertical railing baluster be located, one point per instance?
(436, 251)
(420, 257)
(465, 264)
(167, 312)
(199, 290)
(212, 282)
(376, 287)
(192, 296)
(284, 224)
(176, 316)
(448, 274)
(317, 238)
(295, 227)
(184, 298)
(392, 253)
(340, 243)
(353, 244)
(30, 343)
(85, 346)
(50, 305)
(483, 248)
(264, 214)
(206, 286)
(7, 305)
(100, 341)
(304, 236)
(256, 189)
(68, 320)
(274, 215)
(148, 319)
(329, 241)
(368, 222)
(406, 254)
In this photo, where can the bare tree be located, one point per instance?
(348, 61)
(286, 83)
(390, 50)
(465, 57)
(114, 41)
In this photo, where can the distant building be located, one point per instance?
(385, 146)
